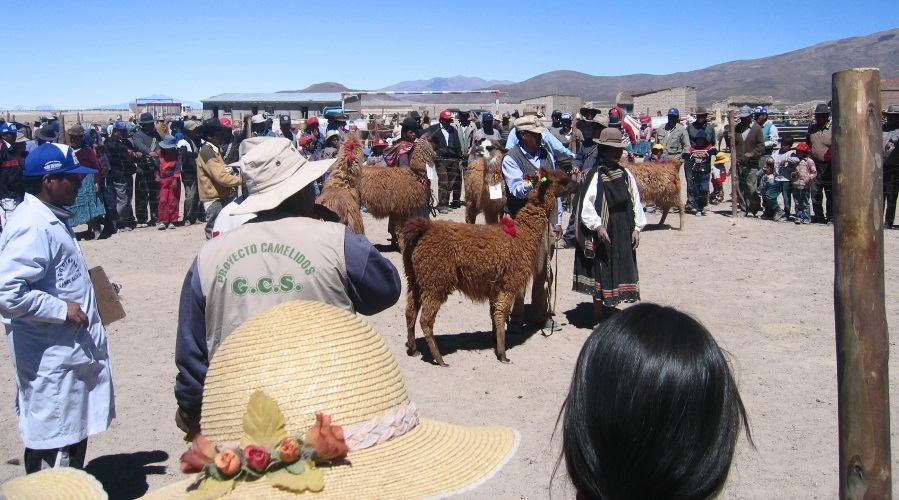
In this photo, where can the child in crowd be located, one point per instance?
(169, 182)
(785, 161)
(699, 162)
(653, 410)
(657, 154)
(719, 177)
(769, 189)
(802, 177)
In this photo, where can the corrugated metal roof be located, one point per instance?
(276, 97)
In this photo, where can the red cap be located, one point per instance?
(379, 142)
(446, 115)
(305, 140)
(354, 127)
(615, 111)
(312, 121)
(802, 147)
(225, 121)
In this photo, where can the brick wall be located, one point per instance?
(657, 103)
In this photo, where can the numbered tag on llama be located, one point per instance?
(496, 191)
(432, 173)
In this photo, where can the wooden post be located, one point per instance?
(862, 337)
(63, 137)
(732, 126)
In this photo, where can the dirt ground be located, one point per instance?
(764, 289)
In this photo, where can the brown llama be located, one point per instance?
(486, 263)
(660, 184)
(487, 170)
(398, 192)
(340, 193)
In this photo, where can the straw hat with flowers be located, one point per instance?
(306, 398)
(60, 482)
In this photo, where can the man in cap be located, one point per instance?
(376, 157)
(584, 122)
(505, 126)
(284, 129)
(570, 137)
(146, 189)
(56, 339)
(548, 142)
(528, 157)
(11, 166)
(749, 145)
(189, 149)
(263, 263)
(702, 123)
(818, 137)
(312, 129)
(769, 130)
(487, 131)
(337, 121)
(307, 147)
(448, 147)
(123, 160)
(466, 130)
(556, 118)
(217, 183)
(259, 127)
(673, 136)
(891, 162)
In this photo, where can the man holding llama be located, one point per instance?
(527, 158)
(448, 146)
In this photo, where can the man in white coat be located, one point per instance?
(56, 340)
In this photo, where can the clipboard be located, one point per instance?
(108, 304)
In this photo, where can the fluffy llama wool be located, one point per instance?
(398, 192)
(340, 193)
(660, 184)
(486, 263)
(487, 169)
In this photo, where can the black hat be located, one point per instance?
(410, 123)
(556, 112)
(146, 118)
(822, 109)
(212, 125)
(415, 115)
(46, 133)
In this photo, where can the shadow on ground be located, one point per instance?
(125, 475)
(581, 316)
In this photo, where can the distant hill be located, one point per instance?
(322, 87)
(458, 82)
(798, 76)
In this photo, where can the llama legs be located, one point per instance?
(429, 309)
(413, 305)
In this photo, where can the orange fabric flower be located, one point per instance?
(289, 450)
(227, 462)
(327, 440)
(200, 453)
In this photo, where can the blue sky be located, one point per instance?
(82, 54)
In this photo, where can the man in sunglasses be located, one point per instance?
(56, 340)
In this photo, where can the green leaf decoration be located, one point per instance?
(311, 480)
(211, 488)
(263, 423)
(297, 467)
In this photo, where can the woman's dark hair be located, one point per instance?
(653, 410)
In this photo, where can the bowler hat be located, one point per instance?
(701, 111)
(611, 137)
(892, 110)
(822, 109)
(146, 118)
(212, 126)
(46, 133)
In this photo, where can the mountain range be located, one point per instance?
(799, 76)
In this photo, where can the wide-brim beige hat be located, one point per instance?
(313, 357)
(57, 483)
(273, 171)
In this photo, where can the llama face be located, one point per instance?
(485, 148)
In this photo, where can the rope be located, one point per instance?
(393, 424)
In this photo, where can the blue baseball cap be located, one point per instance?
(702, 134)
(9, 128)
(761, 110)
(120, 125)
(566, 117)
(673, 112)
(51, 158)
(486, 117)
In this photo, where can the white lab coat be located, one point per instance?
(63, 372)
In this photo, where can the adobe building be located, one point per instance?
(658, 102)
(546, 104)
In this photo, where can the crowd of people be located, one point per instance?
(124, 175)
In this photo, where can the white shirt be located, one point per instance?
(225, 222)
(63, 371)
(185, 143)
(593, 220)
